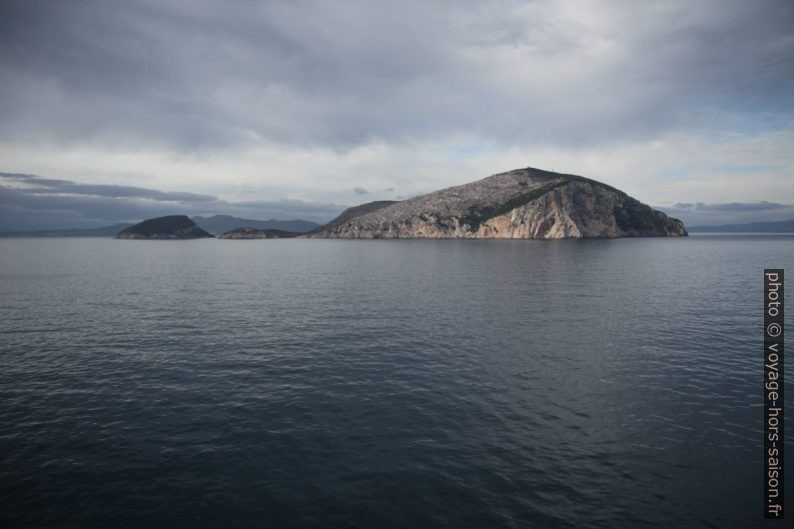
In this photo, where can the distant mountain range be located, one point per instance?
(215, 225)
(104, 231)
(218, 224)
(784, 226)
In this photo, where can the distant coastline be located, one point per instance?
(785, 226)
(215, 225)
(218, 225)
(102, 231)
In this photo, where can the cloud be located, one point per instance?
(282, 101)
(43, 203)
(342, 74)
(670, 169)
(729, 213)
(360, 191)
(732, 206)
(48, 185)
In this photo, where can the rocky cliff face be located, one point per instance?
(169, 227)
(521, 204)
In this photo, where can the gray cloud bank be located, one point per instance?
(195, 75)
(701, 214)
(28, 202)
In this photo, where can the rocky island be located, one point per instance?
(255, 233)
(169, 227)
(521, 204)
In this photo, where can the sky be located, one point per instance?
(117, 111)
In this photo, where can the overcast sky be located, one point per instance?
(295, 109)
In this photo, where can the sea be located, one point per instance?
(385, 383)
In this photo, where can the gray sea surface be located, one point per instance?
(384, 384)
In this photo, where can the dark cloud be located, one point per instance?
(192, 75)
(360, 191)
(47, 185)
(53, 204)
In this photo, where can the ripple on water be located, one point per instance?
(381, 384)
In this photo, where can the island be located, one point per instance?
(256, 233)
(524, 203)
(168, 227)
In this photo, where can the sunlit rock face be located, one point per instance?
(521, 204)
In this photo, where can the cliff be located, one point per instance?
(169, 227)
(521, 204)
(254, 233)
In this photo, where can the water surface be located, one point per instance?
(319, 383)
